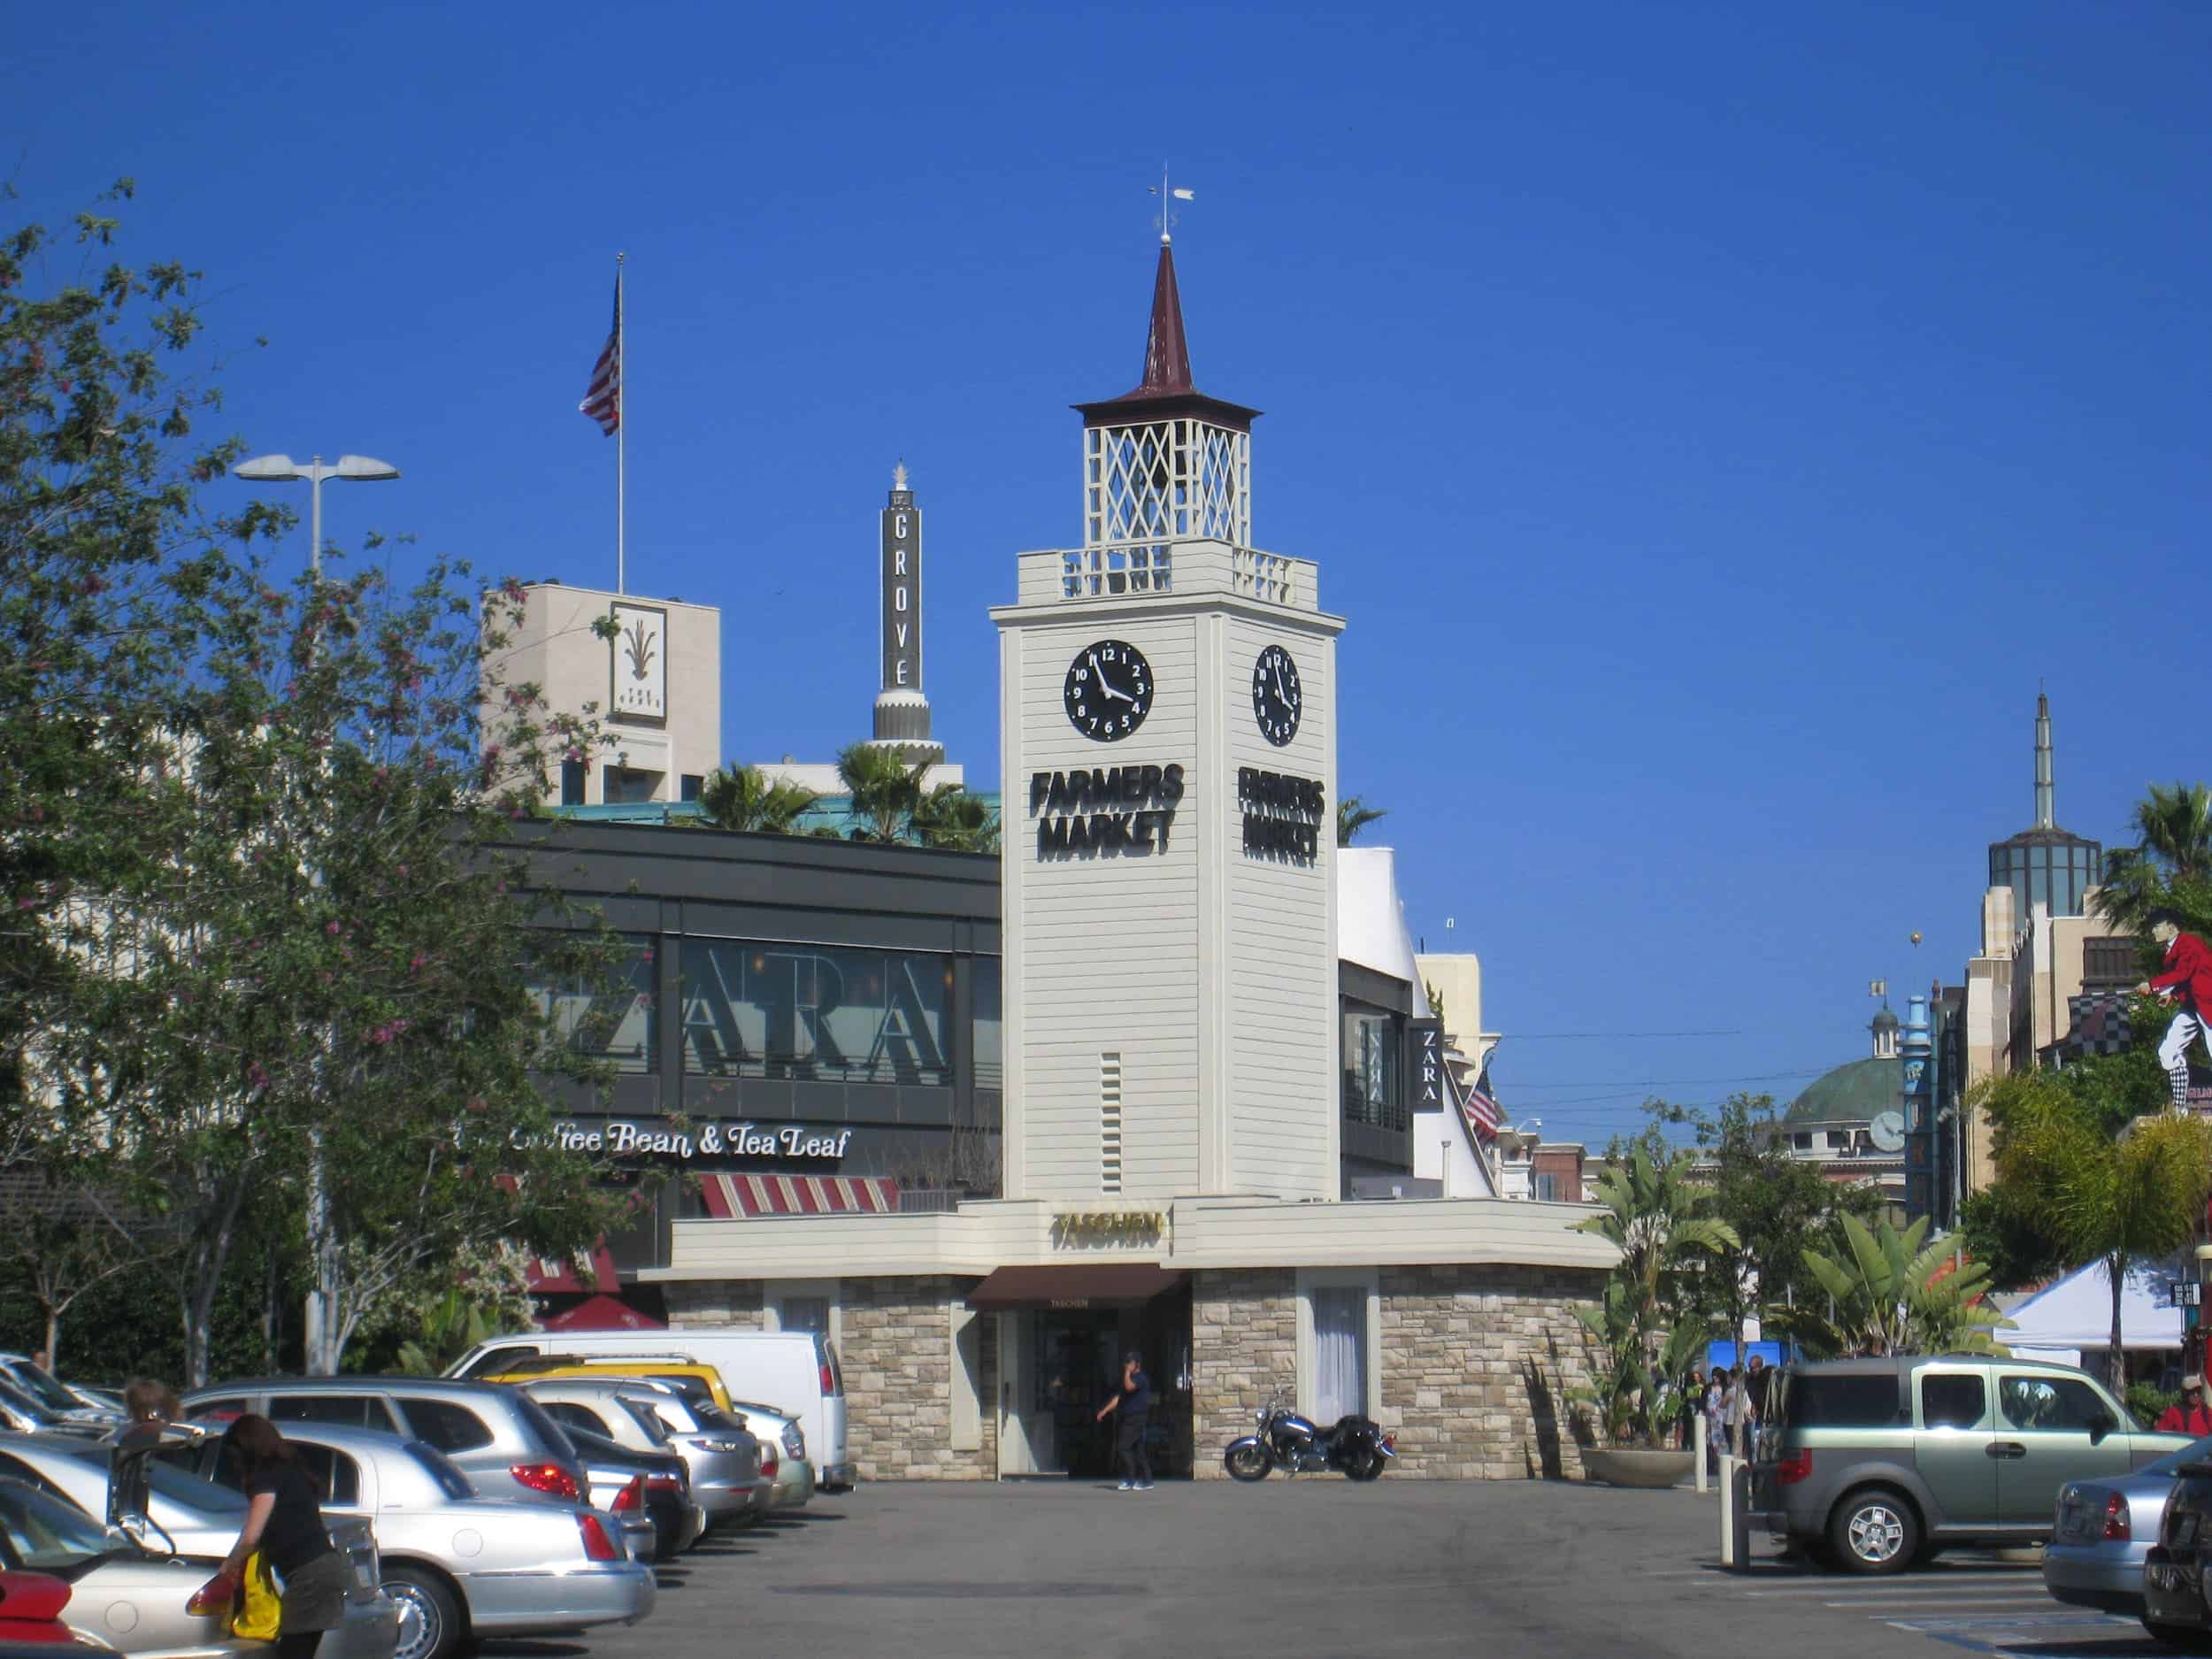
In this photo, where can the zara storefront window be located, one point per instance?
(618, 1020)
(827, 1013)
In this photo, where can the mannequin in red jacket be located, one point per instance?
(2187, 980)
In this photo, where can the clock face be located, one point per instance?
(1276, 699)
(1108, 691)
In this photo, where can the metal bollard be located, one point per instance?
(1697, 1438)
(1727, 1510)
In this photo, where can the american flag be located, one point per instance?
(1481, 1112)
(602, 399)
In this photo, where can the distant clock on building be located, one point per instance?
(1108, 691)
(1276, 701)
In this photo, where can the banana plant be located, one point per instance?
(1894, 1294)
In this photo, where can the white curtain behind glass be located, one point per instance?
(1340, 1353)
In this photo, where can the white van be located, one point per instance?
(793, 1372)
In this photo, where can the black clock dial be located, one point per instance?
(1277, 702)
(1108, 691)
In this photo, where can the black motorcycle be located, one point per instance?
(1353, 1446)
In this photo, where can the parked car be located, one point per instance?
(137, 1597)
(724, 1462)
(793, 1478)
(680, 1371)
(458, 1567)
(649, 1486)
(30, 1613)
(798, 1368)
(1880, 1463)
(2175, 1568)
(55, 1399)
(2103, 1531)
(501, 1438)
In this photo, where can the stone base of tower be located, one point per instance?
(977, 1345)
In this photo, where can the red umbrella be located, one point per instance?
(602, 1313)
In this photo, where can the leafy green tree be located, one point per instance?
(951, 819)
(1354, 815)
(1660, 1222)
(742, 798)
(1771, 1201)
(1891, 1293)
(885, 789)
(2169, 865)
(103, 557)
(2121, 1197)
(261, 957)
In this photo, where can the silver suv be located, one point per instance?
(1878, 1463)
(500, 1437)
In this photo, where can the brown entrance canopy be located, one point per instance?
(1085, 1285)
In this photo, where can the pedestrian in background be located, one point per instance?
(1692, 1402)
(1735, 1407)
(1715, 1420)
(1128, 1406)
(1758, 1384)
(2188, 1417)
(146, 1401)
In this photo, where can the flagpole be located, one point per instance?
(621, 433)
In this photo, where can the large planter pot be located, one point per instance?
(1621, 1467)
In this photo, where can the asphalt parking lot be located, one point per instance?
(1316, 1568)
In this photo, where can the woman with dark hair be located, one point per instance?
(1132, 1401)
(285, 1522)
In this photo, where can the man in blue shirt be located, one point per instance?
(1134, 1400)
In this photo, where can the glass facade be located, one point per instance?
(619, 1022)
(2046, 867)
(1374, 1068)
(988, 1024)
(830, 1013)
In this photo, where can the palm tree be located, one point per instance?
(741, 798)
(884, 790)
(2121, 1198)
(951, 819)
(1354, 815)
(2172, 853)
(1656, 1218)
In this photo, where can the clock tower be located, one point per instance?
(1167, 721)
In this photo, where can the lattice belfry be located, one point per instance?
(1163, 479)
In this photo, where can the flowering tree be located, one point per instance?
(268, 962)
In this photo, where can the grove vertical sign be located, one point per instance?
(902, 590)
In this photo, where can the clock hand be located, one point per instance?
(1106, 689)
(1279, 683)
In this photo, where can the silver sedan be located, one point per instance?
(140, 1603)
(460, 1567)
(2104, 1528)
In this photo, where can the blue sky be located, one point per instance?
(1713, 420)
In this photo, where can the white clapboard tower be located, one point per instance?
(1168, 718)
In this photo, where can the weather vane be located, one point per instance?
(1166, 219)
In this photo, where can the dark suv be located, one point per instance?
(1880, 1463)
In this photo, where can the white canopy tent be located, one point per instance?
(2060, 1321)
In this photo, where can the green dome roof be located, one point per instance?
(1859, 1091)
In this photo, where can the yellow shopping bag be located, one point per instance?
(258, 1609)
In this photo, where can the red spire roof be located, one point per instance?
(1166, 353)
(1167, 378)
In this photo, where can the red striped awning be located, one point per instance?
(742, 1197)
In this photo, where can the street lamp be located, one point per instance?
(282, 469)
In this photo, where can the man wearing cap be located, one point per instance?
(2190, 1417)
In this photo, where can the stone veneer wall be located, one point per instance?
(895, 1348)
(1476, 1364)
(738, 1304)
(1244, 1348)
